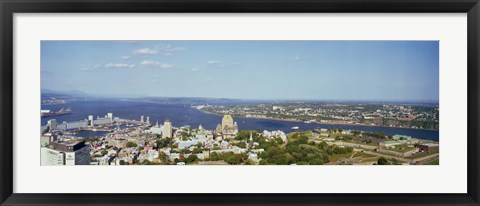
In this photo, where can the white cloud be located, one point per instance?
(112, 65)
(87, 69)
(196, 69)
(125, 57)
(156, 64)
(145, 51)
(165, 50)
(168, 49)
(213, 61)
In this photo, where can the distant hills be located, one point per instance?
(47, 94)
(51, 94)
(188, 100)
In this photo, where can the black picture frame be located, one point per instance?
(10, 7)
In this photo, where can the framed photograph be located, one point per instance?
(239, 102)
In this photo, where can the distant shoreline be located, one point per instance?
(286, 120)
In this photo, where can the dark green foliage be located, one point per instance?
(191, 159)
(131, 144)
(245, 135)
(185, 151)
(197, 150)
(377, 135)
(162, 143)
(382, 161)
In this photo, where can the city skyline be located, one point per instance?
(279, 70)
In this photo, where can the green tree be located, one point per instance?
(231, 158)
(302, 140)
(263, 162)
(147, 162)
(162, 143)
(250, 162)
(245, 134)
(191, 159)
(279, 140)
(317, 161)
(122, 162)
(131, 144)
(197, 150)
(162, 157)
(214, 156)
(382, 161)
(241, 145)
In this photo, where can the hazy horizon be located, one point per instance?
(279, 100)
(368, 71)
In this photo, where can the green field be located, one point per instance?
(335, 157)
(365, 155)
(434, 161)
(423, 154)
(402, 148)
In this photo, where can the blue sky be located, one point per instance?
(310, 70)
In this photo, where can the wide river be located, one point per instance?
(181, 115)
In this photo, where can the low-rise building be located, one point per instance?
(427, 147)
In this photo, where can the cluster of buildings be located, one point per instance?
(68, 152)
(391, 115)
(274, 134)
(138, 141)
(53, 125)
(401, 147)
(166, 130)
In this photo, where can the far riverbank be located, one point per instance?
(318, 123)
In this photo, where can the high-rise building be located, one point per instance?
(46, 138)
(90, 120)
(148, 119)
(228, 126)
(65, 153)
(167, 129)
(141, 118)
(110, 116)
(52, 124)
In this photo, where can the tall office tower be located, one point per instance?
(90, 120)
(167, 130)
(52, 124)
